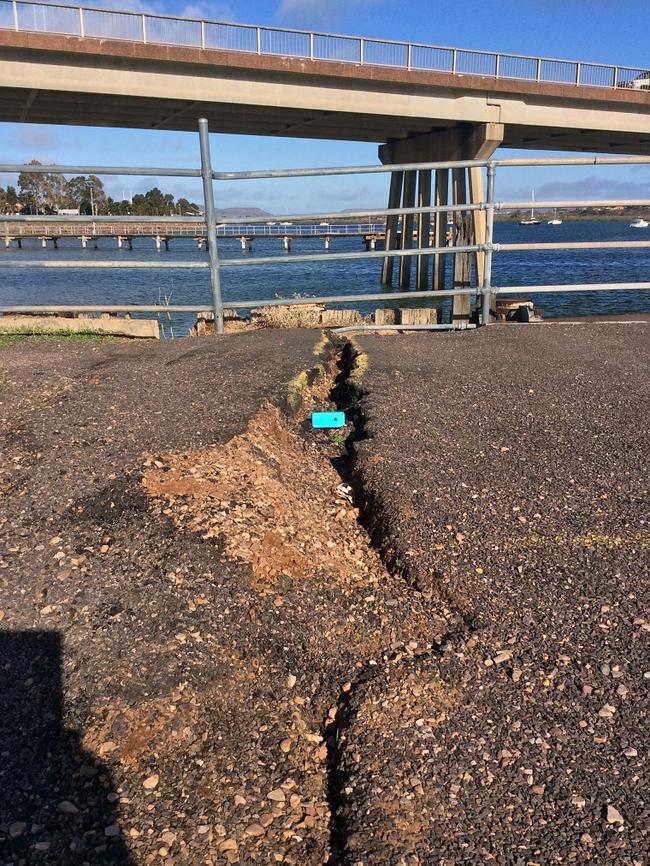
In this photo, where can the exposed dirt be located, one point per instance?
(204, 676)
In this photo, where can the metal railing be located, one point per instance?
(146, 28)
(486, 291)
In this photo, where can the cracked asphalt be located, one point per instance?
(482, 701)
(506, 472)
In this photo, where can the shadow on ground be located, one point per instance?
(57, 802)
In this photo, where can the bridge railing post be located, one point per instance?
(144, 28)
(81, 22)
(211, 224)
(487, 293)
(14, 7)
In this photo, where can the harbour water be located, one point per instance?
(36, 286)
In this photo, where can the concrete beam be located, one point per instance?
(465, 141)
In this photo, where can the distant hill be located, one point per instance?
(240, 212)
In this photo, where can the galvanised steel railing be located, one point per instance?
(486, 291)
(91, 23)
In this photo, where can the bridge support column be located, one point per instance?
(287, 243)
(462, 142)
(246, 244)
(406, 240)
(423, 229)
(201, 243)
(327, 241)
(392, 223)
(440, 228)
(8, 241)
(159, 241)
(84, 242)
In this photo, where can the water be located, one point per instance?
(312, 279)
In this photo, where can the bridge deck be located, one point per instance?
(55, 78)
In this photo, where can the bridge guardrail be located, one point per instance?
(486, 292)
(148, 28)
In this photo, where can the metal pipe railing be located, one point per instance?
(208, 222)
(150, 28)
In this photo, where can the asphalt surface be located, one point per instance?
(93, 588)
(206, 665)
(506, 473)
(177, 655)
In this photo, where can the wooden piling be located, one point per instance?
(440, 236)
(392, 222)
(408, 200)
(424, 229)
(461, 305)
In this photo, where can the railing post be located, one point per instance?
(258, 32)
(202, 34)
(361, 52)
(81, 22)
(454, 60)
(578, 69)
(486, 295)
(538, 74)
(615, 82)
(144, 29)
(497, 65)
(15, 12)
(311, 46)
(211, 225)
(409, 56)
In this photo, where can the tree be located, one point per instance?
(11, 199)
(87, 193)
(32, 189)
(187, 208)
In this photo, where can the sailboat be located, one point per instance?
(639, 223)
(531, 221)
(555, 221)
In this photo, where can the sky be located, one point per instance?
(605, 31)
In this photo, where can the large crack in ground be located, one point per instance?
(277, 497)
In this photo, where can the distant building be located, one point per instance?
(68, 211)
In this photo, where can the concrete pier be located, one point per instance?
(160, 241)
(287, 243)
(246, 244)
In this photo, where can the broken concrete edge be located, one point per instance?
(63, 326)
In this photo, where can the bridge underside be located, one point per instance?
(96, 109)
(47, 78)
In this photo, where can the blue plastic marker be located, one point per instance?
(321, 420)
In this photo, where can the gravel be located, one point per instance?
(506, 474)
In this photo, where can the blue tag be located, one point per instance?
(327, 419)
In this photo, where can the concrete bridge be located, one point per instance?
(67, 64)
(421, 103)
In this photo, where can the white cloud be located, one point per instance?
(197, 9)
(309, 13)
(590, 187)
(34, 139)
